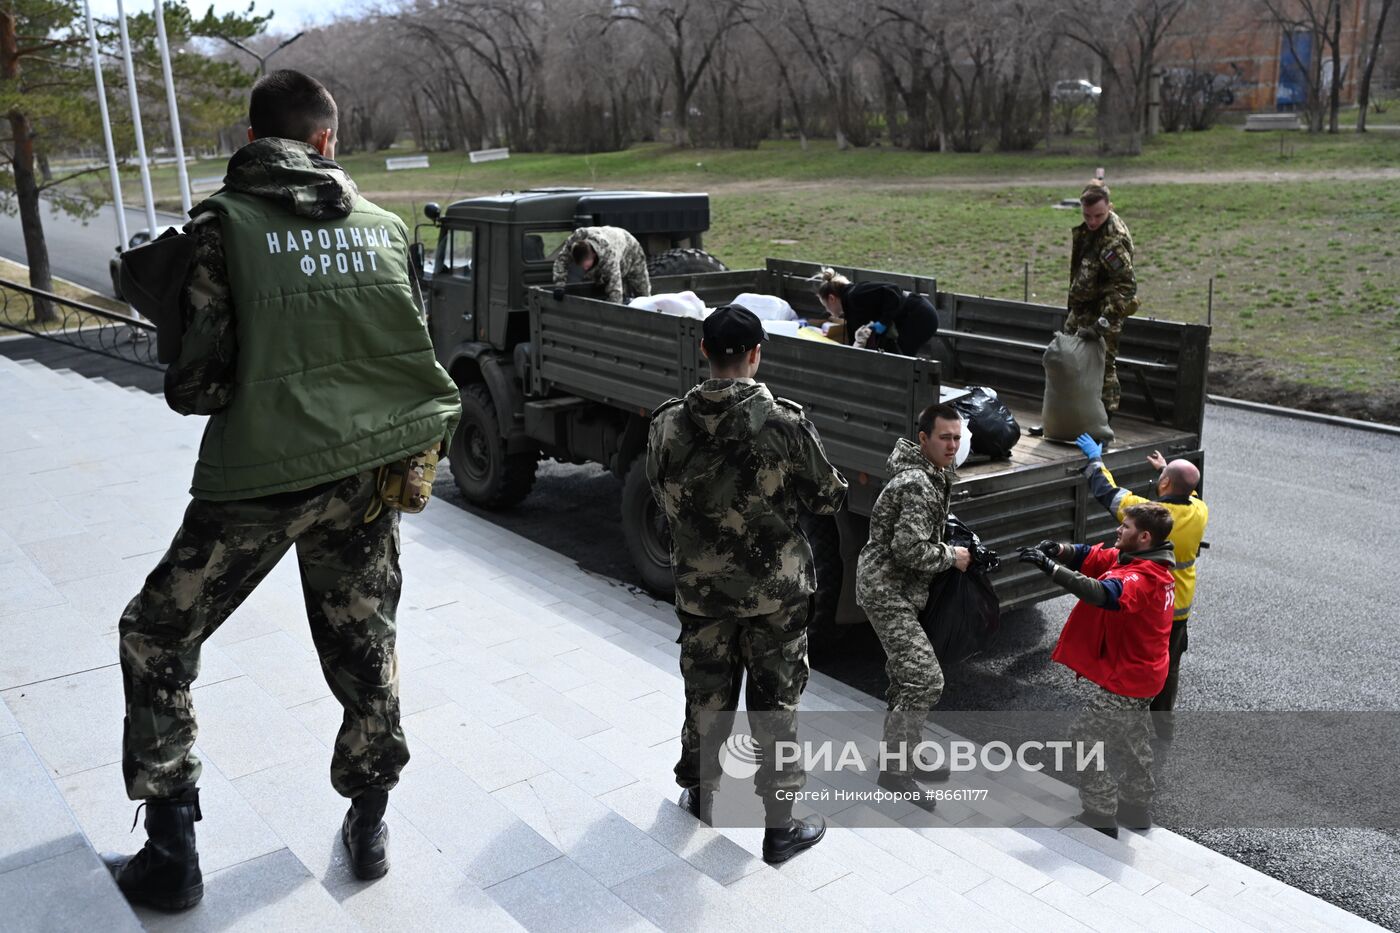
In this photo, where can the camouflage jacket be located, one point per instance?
(1101, 271)
(200, 382)
(621, 269)
(731, 466)
(906, 546)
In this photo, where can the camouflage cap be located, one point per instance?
(732, 329)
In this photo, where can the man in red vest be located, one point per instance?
(1118, 638)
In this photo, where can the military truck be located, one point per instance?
(577, 378)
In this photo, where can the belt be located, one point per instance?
(1183, 565)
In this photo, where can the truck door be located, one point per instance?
(453, 287)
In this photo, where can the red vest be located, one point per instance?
(1123, 650)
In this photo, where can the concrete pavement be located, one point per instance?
(542, 705)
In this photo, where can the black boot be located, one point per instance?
(1105, 823)
(904, 784)
(165, 873)
(699, 803)
(785, 836)
(783, 843)
(1134, 815)
(366, 836)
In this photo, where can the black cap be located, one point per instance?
(732, 329)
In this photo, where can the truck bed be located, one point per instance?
(1130, 434)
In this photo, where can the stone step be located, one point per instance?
(50, 877)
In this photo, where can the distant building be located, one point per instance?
(1253, 54)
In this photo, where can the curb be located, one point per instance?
(1375, 427)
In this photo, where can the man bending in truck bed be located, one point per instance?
(609, 257)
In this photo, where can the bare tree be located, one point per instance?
(828, 37)
(1124, 36)
(1321, 19)
(1363, 94)
(689, 31)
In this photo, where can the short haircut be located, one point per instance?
(1151, 518)
(290, 105)
(1093, 193)
(934, 412)
(581, 251)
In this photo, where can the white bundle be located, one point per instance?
(767, 307)
(678, 304)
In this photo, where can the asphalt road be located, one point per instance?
(79, 248)
(1296, 607)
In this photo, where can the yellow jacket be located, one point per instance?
(1189, 515)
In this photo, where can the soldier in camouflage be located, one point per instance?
(896, 567)
(1102, 284)
(610, 257)
(289, 460)
(732, 466)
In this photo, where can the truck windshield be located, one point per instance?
(542, 245)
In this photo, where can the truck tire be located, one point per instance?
(646, 532)
(823, 632)
(684, 261)
(487, 475)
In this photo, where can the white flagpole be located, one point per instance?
(117, 207)
(136, 123)
(175, 136)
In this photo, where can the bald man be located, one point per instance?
(1176, 489)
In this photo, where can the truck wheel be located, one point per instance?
(823, 632)
(683, 262)
(487, 475)
(647, 533)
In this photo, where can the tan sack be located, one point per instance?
(1074, 388)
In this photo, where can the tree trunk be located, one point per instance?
(1336, 102)
(36, 250)
(1363, 95)
(26, 186)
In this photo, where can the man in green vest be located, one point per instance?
(303, 339)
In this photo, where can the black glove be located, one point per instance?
(1051, 549)
(1034, 555)
(558, 293)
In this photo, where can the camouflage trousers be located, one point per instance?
(715, 655)
(1124, 725)
(916, 679)
(350, 581)
(1088, 317)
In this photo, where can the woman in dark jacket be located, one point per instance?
(863, 304)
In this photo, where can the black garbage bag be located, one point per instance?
(994, 428)
(963, 612)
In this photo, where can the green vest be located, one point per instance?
(335, 373)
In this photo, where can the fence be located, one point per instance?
(77, 324)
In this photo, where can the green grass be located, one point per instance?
(1224, 148)
(1335, 319)
(1304, 272)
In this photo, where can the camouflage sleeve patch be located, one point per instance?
(1112, 258)
(200, 382)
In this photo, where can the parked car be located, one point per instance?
(1078, 90)
(114, 265)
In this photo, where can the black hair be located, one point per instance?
(934, 412)
(290, 105)
(581, 251)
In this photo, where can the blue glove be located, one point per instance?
(1092, 449)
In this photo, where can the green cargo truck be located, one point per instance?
(576, 379)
